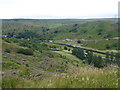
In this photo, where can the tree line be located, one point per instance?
(96, 60)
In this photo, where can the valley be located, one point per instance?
(60, 53)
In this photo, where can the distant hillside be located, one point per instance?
(61, 28)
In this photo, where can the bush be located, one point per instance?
(98, 62)
(7, 50)
(108, 46)
(24, 44)
(7, 40)
(27, 65)
(89, 57)
(78, 41)
(25, 51)
(65, 48)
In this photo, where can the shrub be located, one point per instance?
(27, 65)
(108, 46)
(23, 44)
(98, 62)
(69, 49)
(76, 25)
(65, 48)
(7, 50)
(99, 33)
(89, 57)
(78, 41)
(25, 51)
(7, 40)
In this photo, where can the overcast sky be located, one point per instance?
(58, 9)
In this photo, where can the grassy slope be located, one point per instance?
(98, 44)
(88, 30)
(68, 28)
(73, 29)
(85, 29)
(57, 69)
(101, 44)
(35, 71)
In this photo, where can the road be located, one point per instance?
(71, 45)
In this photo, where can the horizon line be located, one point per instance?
(65, 18)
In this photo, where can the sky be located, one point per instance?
(58, 9)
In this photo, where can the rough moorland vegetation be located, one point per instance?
(31, 59)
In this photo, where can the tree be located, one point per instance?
(107, 46)
(65, 48)
(94, 59)
(89, 57)
(107, 58)
(99, 33)
(27, 34)
(98, 62)
(82, 55)
(111, 57)
(117, 55)
(75, 24)
(74, 51)
(56, 31)
(10, 34)
(78, 41)
(79, 53)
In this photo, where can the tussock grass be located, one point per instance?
(82, 77)
(73, 76)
